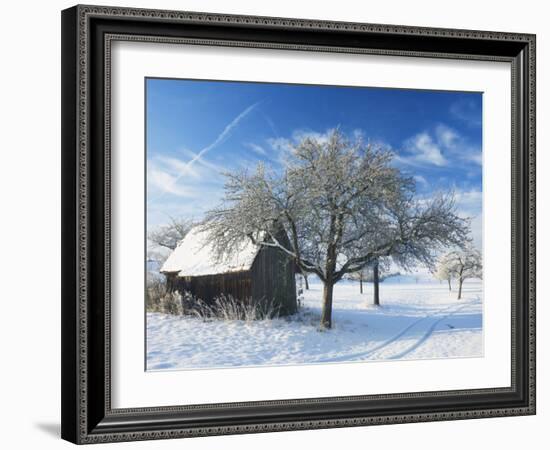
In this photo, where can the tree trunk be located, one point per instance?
(307, 282)
(449, 281)
(361, 285)
(328, 286)
(326, 314)
(376, 282)
(460, 281)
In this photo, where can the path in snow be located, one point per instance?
(433, 322)
(415, 321)
(391, 348)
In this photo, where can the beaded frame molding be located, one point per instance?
(87, 35)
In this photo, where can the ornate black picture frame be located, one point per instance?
(87, 34)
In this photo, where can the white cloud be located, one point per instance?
(300, 135)
(258, 149)
(477, 231)
(191, 208)
(468, 112)
(469, 201)
(203, 161)
(169, 175)
(280, 144)
(458, 145)
(165, 182)
(421, 180)
(468, 205)
(439, 147)
(283, 147)
(198, 157)
(446, 137)
(474, 156)
(425, 150)
(176, 166)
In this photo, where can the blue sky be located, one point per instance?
(197, 129)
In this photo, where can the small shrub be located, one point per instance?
(224, 307)
(154, 293)
(172, 303)
(227, 307)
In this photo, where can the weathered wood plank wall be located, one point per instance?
(273, 280)
(270, 279)
(208, 287)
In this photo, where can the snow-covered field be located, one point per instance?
(415, 321)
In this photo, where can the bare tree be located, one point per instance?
(342, 205)
(376, 272)
(464, 264)
(361, 276)
(169, 235)
(380, 270)
(376, 281)
(306, 281)
(157, 256)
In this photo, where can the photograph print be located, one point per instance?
(293, 224)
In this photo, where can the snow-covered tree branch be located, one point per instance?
(342, 205)
(169, 235)
(461, 265)
(444, 270)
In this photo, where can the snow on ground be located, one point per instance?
(415, 321)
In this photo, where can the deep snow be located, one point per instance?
(195, 256)
(415, 321)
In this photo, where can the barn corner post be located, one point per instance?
(280, 289)
(291, 296)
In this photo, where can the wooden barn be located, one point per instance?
(254, 272)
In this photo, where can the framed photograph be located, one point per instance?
(280, 224)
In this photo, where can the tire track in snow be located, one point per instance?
(428, 333)
(362, 355)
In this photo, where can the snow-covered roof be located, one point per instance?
(195, 256)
